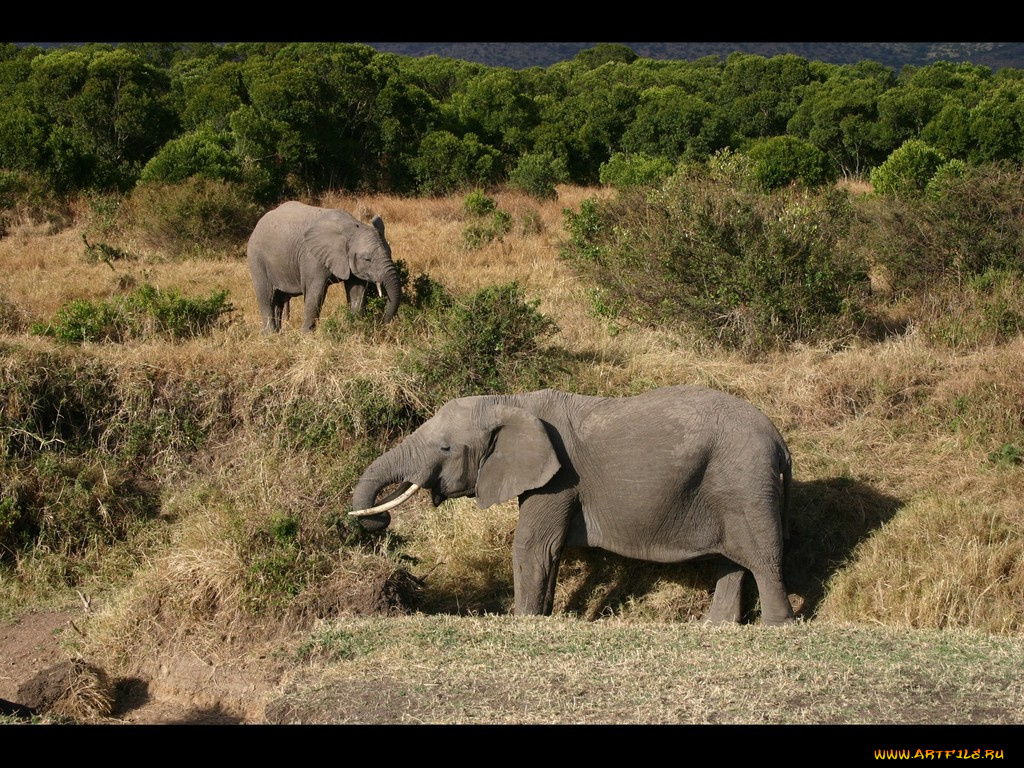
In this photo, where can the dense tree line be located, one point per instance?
(284, 119)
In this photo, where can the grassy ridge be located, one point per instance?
(228, 459)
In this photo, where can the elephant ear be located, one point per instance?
(326, 241)
(520, 458)
(378, 224)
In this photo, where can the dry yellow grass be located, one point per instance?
(907, 420)
(900, 440)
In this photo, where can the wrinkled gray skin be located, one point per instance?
(676, 474)
(299, 250)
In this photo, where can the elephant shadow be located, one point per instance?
(827, 520)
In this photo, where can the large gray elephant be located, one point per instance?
(299, 250)
(676, 474)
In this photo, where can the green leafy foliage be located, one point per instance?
(490, 223)
(676, 125)
(490, 342)
(966, 225)
(750, 270)
(145, 313)
(908, 170)
(293, 119)
(634, 170)
(477, 203)
(204, 153)
(537, 174)
(447, 163)
(782, 160)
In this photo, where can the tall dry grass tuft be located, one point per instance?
(464, 555)
(971, 577)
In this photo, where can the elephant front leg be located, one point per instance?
(727, 602)
(536, 552)
(314, 297)
(534, 575)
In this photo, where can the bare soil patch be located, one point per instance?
(39, 678)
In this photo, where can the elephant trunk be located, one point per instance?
(393, 286)
(364, 496)
(382, 472)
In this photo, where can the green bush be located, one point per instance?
(967, 225)
(477, 234)
(489, 342)
(491, 223)
(537, 173)
(204, 152)
(479, 204)
(907, 170)
(750, 270)
(782, 160)
(635, 170)
(446, 164)
(197, 217)
(145, 313)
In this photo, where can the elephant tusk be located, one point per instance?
(380, 289)
(387, 504)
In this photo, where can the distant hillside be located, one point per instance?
(893, 55)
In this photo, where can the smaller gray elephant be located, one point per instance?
(299, 250)
(676, 474)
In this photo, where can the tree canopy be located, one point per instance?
(283, 118)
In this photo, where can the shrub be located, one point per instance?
(750, 270)
(196, 217)
(907, 170)
(537, 173)
(782, 160)
(446, 163)
(144, 313)
(484, 230)
(490, 342)
(965, 226)
(477, 234)
(634, 170)
(205, 153)
(479, 204)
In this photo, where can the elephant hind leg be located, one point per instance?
(279, 310)
(727, 603)
(775, 606)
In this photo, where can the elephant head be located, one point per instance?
(473, 446)
(357, 254)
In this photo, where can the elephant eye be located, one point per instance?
(445, 448)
